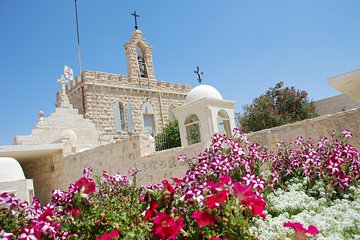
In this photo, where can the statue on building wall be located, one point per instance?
(142, 64)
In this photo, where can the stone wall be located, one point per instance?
(335, 104)
(57, 172)
(314, 128)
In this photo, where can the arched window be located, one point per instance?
(142, 62)
(171, 113)
(223, 123)
(129, 117)
(149, 122)
(192, 125)
(119, 117)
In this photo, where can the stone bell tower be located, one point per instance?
(139, 58)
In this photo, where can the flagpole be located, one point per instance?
(78, 38)
(79, 56)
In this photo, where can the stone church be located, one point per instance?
(127, 105)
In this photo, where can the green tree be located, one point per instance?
(278, 106)
(169, 138)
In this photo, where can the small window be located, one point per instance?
(149, 121)
(119, 117)
(223, 123)
(192, 125)
(129, 117)
(171, 113)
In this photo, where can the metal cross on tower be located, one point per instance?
(135, 16)
(199, 74)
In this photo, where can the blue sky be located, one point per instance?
(243, 47)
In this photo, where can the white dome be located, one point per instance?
(202, 91)
(10, 170)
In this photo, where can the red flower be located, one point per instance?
(166, 227)
(300, 231)
(215, 200)
(85, 184)
(106, 236)
(217, 238)
(203, 218)
(75, 213)
(168, 186)
(45, 214)
(257, 206)
(150, 212)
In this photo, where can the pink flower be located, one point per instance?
(29, 233)
(8, 200)
(107, 236)
(215, 200)
(5, 236)
(133, 171)
(166, 227)
(242, 192)
(300, 231)
(87, 171)
(248, 178)
(258, 183)
(86, 185)
(203, 218)
(347, 133)
(182, 157)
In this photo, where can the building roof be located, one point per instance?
(10, 170)
(203, 91)
(348, 84)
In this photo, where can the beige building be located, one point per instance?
(349, 85)
(127, 105)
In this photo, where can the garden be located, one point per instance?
(234, 189)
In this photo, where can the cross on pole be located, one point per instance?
(62, 81)
(199, 74)
(135, 16)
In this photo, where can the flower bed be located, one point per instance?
(232, 190)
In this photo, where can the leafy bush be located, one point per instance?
(169, 138)
(278, 106)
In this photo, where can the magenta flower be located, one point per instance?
(300, 231)
(347, 133)
(86, 185)
(8, 200)
(133, 171)
(214, 201)
(203, 218)
(29, 233)
(87, 172)
(168, 187)
(242, 192)
(182, 157)
(107, 236)
(257, 206)
(150, 212)
(5, 236)
(166, 227)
